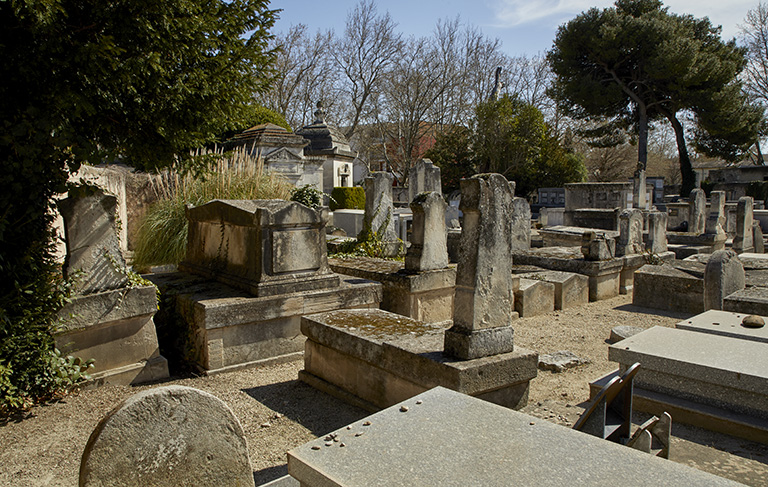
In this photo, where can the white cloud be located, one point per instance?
(509, 13)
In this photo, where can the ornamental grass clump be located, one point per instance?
(237, 175)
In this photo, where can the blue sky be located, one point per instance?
(523, 26)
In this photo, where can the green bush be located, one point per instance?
(308, 195)
(347, 198)
(162, 236)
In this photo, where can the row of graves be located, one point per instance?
(426, 344)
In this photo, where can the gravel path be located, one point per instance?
(278, 412)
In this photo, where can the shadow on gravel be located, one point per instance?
(315, 410)
(269, 474)
(631, 308)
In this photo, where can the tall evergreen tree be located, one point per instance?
(638, 62)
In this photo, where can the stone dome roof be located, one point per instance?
(325, 139)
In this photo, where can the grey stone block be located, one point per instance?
(559, 361)
(667, 288)
(479, 343)
(724, 323)
(571, 289)
(534, 297)
(724, 275)
(445, 438)
(751, 300)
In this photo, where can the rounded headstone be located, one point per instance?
(753, 321)
(619, 333)
(170, 435)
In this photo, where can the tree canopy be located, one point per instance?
(636, 62)
(86, 80)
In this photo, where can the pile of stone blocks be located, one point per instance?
(109, 318)
(253, 268)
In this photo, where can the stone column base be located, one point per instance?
(478, 343)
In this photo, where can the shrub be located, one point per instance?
(347, 198)
(162, 236)
(758, 190)
(308, 195)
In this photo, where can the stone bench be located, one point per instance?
(445, 438)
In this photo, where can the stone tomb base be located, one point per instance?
(634, 262)
(424, 296)
(229, 329)
(667, 288)
(711, 381)
(115, 328)
(374, 359)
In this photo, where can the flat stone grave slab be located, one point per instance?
(724, 372)
(724, 323)
(750, 300)
(445, 438)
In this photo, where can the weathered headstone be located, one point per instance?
(724, 275)
(697, 212)
(639, 189)
(630, 232)
(484, 296)
(93, 248)
(429, 249)
(520, 224)
(757, 237)
(170, 435)
(597, 246)
(657, 232)
(379, 214)
(743, 242)
(715, 224)
(424, 177)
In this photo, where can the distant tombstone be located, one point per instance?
(429, 249)
(423, 177)
(630, 232)
(657, 232)
(597, 246)
(520, 225)
(639, 189)
(697, 211)
(757, 237)
(715, 224)
(264, 247)
(724, 275)
(484, 297)
(170, 435)
(379, 213)
(93, 248)
(743, 242)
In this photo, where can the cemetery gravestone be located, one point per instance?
(715, 224)
(743, 242)
(424, 177)
(379, 213)
(697, 216)
(520, 224)
(723, 276)
(630, 233)
(657, 232)
(428, 250)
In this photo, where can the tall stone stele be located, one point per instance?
(630, 232)
(424, 177)
(379, 211)
(657, 232)
(484, 297)
(429, 248)
(743, 242)
(697, 212)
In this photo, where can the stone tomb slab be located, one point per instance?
(571, 289)
(724, 323)
(441, 437)
(751, 300)
(719, 371)
(665, 287)
(534, 297)
(373, 359)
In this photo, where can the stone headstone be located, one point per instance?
(757, 237)
(520, 225)
(743, 242)
(429, 248)
(424, 177)
(379, 213)
(597, 246)
(657, 232)
(697, 211)
(724, 275)
(264, 247)
(715, 224)
(484, 297)
(93, 247)
(639, 189)
(630, 232)
(170, 435)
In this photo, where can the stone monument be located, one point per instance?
(630, 233)
(657, 232)
(697, 212)
(743, 242)
(379, 214)
(484, 296)
(428, 250)
(423, 177)
(724, 275)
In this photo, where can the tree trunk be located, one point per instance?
(686, 169)
(642, 136)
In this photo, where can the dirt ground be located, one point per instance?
(43, 448)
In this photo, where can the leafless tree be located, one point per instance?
(754, 36)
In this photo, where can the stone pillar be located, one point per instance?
(379, 214)
(484, 297)
(743, 242)
(724, 275)
(424, 177)
(757, 237)
(630, 232)
(715, 224)
(697, 212)
(639, 189)
(93, 248)
(429, 248)
(520, 225)
(657, 232)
